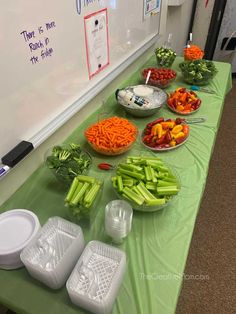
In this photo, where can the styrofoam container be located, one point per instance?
(52, 254)
(97, 277)
(17, 228)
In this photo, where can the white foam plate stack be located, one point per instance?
(52, 254)
(97, 277)
(17, 228)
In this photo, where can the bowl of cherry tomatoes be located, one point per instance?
(159, 77)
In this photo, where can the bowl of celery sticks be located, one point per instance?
(146, 182)
(82, 197)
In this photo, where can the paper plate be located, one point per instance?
(17, 228)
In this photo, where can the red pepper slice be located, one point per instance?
(105, 166)
(159, 120)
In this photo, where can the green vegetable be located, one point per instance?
(68, 162)
(167, 190)
(119, 183)
(198, 72)
(133, 196)
(81, 195)
(165, 56)
(145, 180)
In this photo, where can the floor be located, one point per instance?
(213, 247)
(212, 256)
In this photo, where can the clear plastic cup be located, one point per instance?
(118, 220)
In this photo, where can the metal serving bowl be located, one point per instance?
(159, 96)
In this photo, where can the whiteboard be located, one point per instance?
(44, 62)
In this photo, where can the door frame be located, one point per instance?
(214, 28)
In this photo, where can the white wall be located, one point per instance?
(178, 19)
(202, 21)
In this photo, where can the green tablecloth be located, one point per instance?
(158, 245)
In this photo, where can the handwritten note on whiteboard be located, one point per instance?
(38, 42)
(97, 43)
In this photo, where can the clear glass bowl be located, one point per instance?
(147, 208)
(79, 212)
(161, 83)
(66, 170)
(112, 151)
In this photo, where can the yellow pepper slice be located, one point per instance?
(157, 130)
(175, 136)
(178, 128)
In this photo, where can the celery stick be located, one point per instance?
(128, 182)
(163, 169)
(113, 178)
(78, 188)
(144, 192)
(148, 174)
(90, 197)
(153, 177)
(160, 175)
(134, 158)
(134, 188)
(124, 176)
(93, 188)
(164, 183)
(130, 167)
(170, 179)
(150, 158)
(132, 174)
(151, 186)
(86, 179)
(119, 183)
(77, 196)
(156, 201)
(167, 190)
(138, 199)
(126, 197)
(72, 190)
(154, 163)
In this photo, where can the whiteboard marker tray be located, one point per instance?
(52, 254)
(17, 228)
(97, 277)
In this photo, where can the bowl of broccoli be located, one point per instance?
(198, 72)
(68, 161)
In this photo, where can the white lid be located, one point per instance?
(17, 227)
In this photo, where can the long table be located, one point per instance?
(158, 245)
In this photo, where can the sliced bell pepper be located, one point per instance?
(168, 137)
(178, 128)
(178, 135)
(160, 140)
(185, 129)
(159, 120)
(168, 125)
(172, 143)
(180, 140)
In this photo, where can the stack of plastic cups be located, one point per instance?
(118, 220)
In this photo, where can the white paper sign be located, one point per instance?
(151, 7)
(97, 44)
